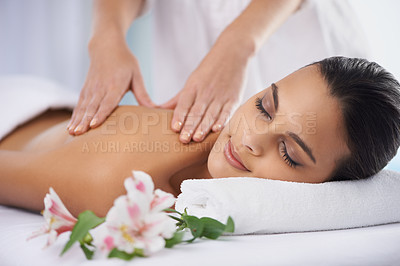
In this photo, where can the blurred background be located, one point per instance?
(48, 38)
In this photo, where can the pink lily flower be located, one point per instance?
(137, 220)
(58, 218)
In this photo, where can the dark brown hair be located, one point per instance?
(369, 98)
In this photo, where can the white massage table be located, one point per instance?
(376, 245)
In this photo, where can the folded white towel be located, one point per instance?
(23, 97)
(272, 206)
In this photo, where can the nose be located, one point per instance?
(253, 142)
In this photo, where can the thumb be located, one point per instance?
(171, 104)
(140, 92)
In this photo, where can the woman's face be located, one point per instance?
(291, 131)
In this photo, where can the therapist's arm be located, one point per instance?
(212, 92)
(113, 68)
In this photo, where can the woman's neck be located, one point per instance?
(198, 170)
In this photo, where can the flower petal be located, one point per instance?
(154, 244)
(143, 181)
(162, 200)
(60, 205)
(43, 230)
(137, 220)
(52, 238)
(109, 242)
(58, 219)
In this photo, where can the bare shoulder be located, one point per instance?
(151, 129)
(141, 120)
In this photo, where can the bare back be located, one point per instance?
(88, 170)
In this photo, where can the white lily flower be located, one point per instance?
(58, 218)
(137, 220)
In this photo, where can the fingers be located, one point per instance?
(113, 70)
(140, 92)
(223, 117)
(185, 102)
(207, 121)
(78, 113)
(107, 105)
(214, 118)
(87, 119)
(193, 119)
(92, 111)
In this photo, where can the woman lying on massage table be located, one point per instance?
(337, 119)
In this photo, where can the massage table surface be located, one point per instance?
(375, 245)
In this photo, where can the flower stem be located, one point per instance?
(172, 210)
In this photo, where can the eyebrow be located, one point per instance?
(275, 95)
(301, 143)
(293, 135)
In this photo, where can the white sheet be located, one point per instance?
(23, 97)
(376, 245)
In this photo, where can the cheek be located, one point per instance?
(239, 119)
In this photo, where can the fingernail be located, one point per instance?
(185, 136)
(177, 126)
(78, 129)
(93, 122)
(198, 135)
(217, 127)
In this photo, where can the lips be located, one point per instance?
(233, 158)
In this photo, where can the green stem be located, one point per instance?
(172, 210)
(176, 218)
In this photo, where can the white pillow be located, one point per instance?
(271, 206)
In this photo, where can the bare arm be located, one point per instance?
(213, 90)
(114, 17)
(80, 180)
(258, 22)
(113, 68)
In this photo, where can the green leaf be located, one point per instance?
(88, 253)
(86, 220)
(139, 252)
(230, 225)
(175, 239)
(195, 225)
(212, 228)
(116, 253)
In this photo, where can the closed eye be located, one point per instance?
(288, 160)
(282, 146)
(261, 108)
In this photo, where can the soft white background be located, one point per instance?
(49, 38)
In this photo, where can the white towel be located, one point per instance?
(271, 206)
(23, 97)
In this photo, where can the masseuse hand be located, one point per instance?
(211, 93)
(214, 89)
(113, 71)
